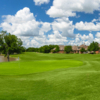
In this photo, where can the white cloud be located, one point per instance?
(22, 23)
(82, 39)
(86, 37)
(33, 41)
(34, 33)
(97, 39)
(55, 12)
(62, 8)
(64, 26)
(89, 26)
(98, 35)
(56, 38)
(94, 20)
(45, 27)
(39, 2)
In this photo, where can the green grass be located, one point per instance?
(29, 64)
(51, 77)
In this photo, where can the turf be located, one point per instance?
(54, 77)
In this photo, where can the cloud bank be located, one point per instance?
(34, 33)
(62, 8)
(37, 33)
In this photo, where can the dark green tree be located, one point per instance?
(9, 44)
(47, 48)
(44, 49)
(30, 49)
(94, 46)
(51, 47)
(57, 48)
(68, 49)
(23, 49)
(82, 50)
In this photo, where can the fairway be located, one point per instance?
(51, 77)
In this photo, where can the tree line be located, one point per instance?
(44, 49)
(94, 46)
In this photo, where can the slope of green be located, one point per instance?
(72, 83)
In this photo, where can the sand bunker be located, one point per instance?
(4, 59)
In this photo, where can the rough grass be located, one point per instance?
(72, 83)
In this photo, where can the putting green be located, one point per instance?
(29, 67)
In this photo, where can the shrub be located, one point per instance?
(68, 49)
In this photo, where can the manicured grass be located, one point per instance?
(51, 77)
(20, 68)
(31, 63)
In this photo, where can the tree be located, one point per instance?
(57, 48)
(48, 48)
(30, 49)
(44, 49)
(93, 46)
(23, 49)
(51, 47)
(9, 44)
(68, 49)
(82, 50)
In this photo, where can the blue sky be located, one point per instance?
(44, 22)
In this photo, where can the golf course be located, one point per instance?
(39, 76)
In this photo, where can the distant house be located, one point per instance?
(76, 49)
(61, 48)
(83, 46)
